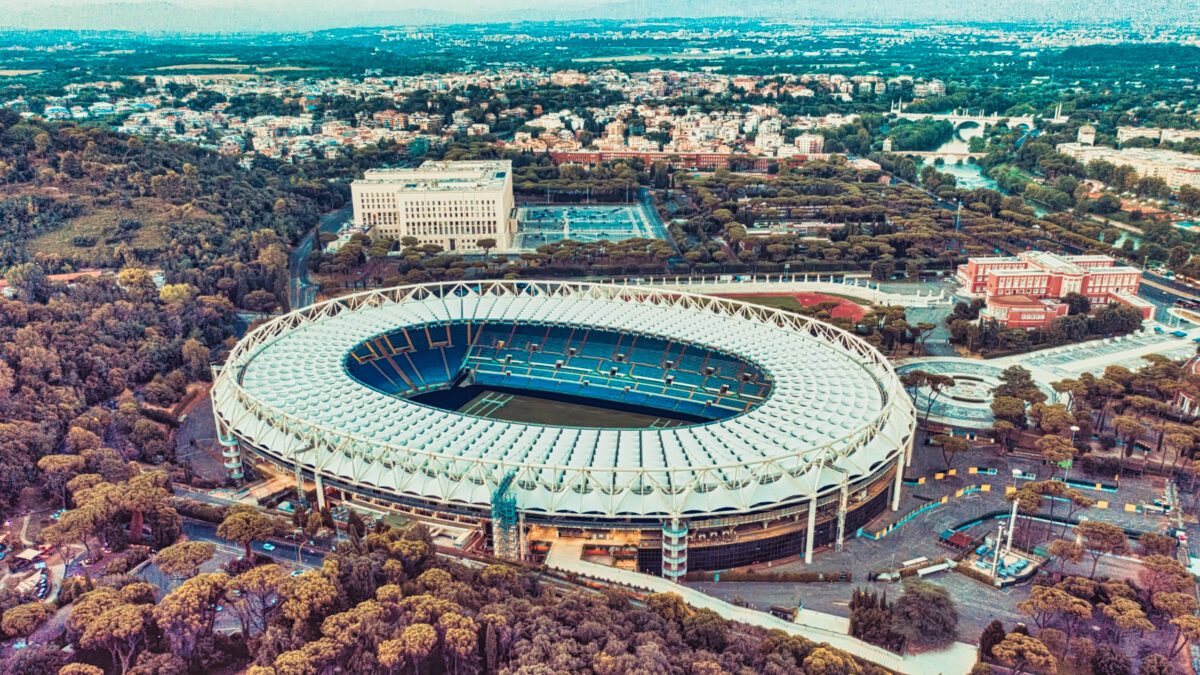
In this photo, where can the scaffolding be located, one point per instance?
(506, 523)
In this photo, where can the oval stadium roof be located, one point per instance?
(835, 408)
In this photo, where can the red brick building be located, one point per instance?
(685, 160)
(1026, 290)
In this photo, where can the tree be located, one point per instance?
(80, 669)
(185, 558)
(59, 469)
(144, 492)
(22, 620)
(29, 281)
(936, 384)
(1066, 552)
(119, 630)
(925, 614)
(246, 526)
(1101, 539)
(1077, 303)
(1017, 382)
(460, 639)
(1157, 544)
(1127, 615)
(826, 661)
(253, 595)
(1187, 629)
(308, 595)
(1046, 603)
(1009, 409)
(416, 643)
(1056, 451)
(1162, 573)
(1156, 664)
(1022, 652)
(1109, 660)
(951, 446)
(187, 614)
(1174, 604)
(992, 635)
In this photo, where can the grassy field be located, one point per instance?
(19, 73)
(102, 224)
(847, 307)
(233, 67)
(774, 301)
(206, 66)
(537, 410)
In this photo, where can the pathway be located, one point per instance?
(792, 283)
(566, 555)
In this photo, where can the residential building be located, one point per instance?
(1176, 169)
(810, 144)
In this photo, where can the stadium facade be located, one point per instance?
(784, 433)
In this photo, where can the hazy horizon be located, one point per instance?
(305, 15)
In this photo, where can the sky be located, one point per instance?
(302, 15)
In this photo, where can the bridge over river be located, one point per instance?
(961, 117)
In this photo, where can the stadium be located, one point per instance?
(673, 430)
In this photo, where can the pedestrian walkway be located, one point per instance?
(864, 289)
(566, 556)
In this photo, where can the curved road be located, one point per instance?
(301, 293)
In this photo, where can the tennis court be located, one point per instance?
(540, 225)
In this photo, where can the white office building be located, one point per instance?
(451, 204)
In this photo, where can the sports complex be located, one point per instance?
(671, 430)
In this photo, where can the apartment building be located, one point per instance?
(1176, 169)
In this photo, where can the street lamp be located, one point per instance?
(1067, 468)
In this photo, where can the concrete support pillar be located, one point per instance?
(841, 516)
(299, 482)
(909, 447)
(320, 492)
(810, 533)
(899, 484)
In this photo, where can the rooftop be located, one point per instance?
(835, 408)
(447, 175)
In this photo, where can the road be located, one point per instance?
(301, 293)
(285, 551)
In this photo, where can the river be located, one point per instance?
(968, 176)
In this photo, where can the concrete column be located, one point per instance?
(909, 447)
(320, 492)
(810, 533)
(896, 488)
(299, 482)
(841, 517)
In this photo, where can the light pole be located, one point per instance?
(1067, 468)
